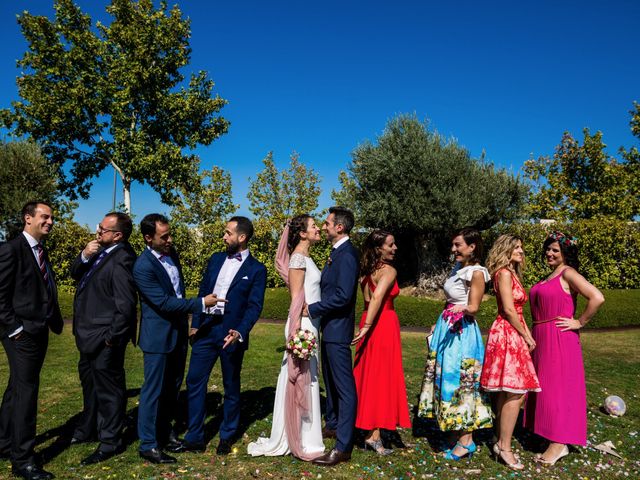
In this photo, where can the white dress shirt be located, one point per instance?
(172, 271)
(340, 242)
(227, 273)
(108, 250)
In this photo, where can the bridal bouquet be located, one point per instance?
(303, 344)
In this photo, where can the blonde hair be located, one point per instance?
(500, 255)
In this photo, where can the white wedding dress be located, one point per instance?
(311, 428)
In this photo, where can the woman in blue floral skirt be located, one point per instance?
(451, 386)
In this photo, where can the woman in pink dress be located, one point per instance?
(559, 412)
(508, 370)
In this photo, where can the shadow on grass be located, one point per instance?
(438, 440)
(64, 432)
(254, 405)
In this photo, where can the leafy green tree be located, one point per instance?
(632, 156)
(582, 181)
(115, 95)
(281, 194)
(207, 202)
(198, 221)
(25, 175)
(422, 187)
(275, 196)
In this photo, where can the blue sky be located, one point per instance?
(322, 77)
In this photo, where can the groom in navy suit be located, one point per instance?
(338, 286)
(223, 332)
(163, 336)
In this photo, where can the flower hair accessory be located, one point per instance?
(563, 239)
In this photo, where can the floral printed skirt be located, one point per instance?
(451, 385)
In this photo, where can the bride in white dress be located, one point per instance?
(303, 273)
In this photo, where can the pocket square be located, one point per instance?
(245, 278)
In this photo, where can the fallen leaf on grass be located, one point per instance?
(607, 447)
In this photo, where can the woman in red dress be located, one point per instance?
(508, 369)
(382, 394)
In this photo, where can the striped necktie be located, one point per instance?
(93, 266)
(42, 264)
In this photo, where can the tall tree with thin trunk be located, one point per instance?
(114, 95)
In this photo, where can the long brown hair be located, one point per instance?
(370, 260)
(297, 225)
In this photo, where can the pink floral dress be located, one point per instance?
(507, 363)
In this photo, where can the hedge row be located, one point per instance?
(622, 308)
(609, 250)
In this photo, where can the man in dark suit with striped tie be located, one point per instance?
(28, 309)
(104, 321)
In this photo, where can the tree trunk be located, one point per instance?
(419, 254)
(126, 190)
(126, 187)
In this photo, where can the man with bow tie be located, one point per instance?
(163, 336)
(28, 310)
(223, 332)
(104, 321)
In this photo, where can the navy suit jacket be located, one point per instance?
(339, 289)
(164, 315)
(245, 299)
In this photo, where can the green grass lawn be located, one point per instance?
(612, 362)
(622, 308)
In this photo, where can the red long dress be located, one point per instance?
(382, 393)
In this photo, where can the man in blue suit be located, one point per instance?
(223, 332)
(163, 336)
(338, 286)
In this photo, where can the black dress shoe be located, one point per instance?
(332, 458)
(182, 446)
(78, 440)
(98, 456)
(155, 455)
(328, 433)
(31, 472)
(224, 447)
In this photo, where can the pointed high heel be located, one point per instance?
(517, 465)
(377, 446)
(549, 463)
(471, 449)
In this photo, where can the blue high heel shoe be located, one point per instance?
(471, 449)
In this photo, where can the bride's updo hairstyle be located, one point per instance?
(297, 225)
(370, 260)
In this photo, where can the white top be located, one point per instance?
(311, 277)
(456, 288)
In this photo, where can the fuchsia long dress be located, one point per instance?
(559, 412)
